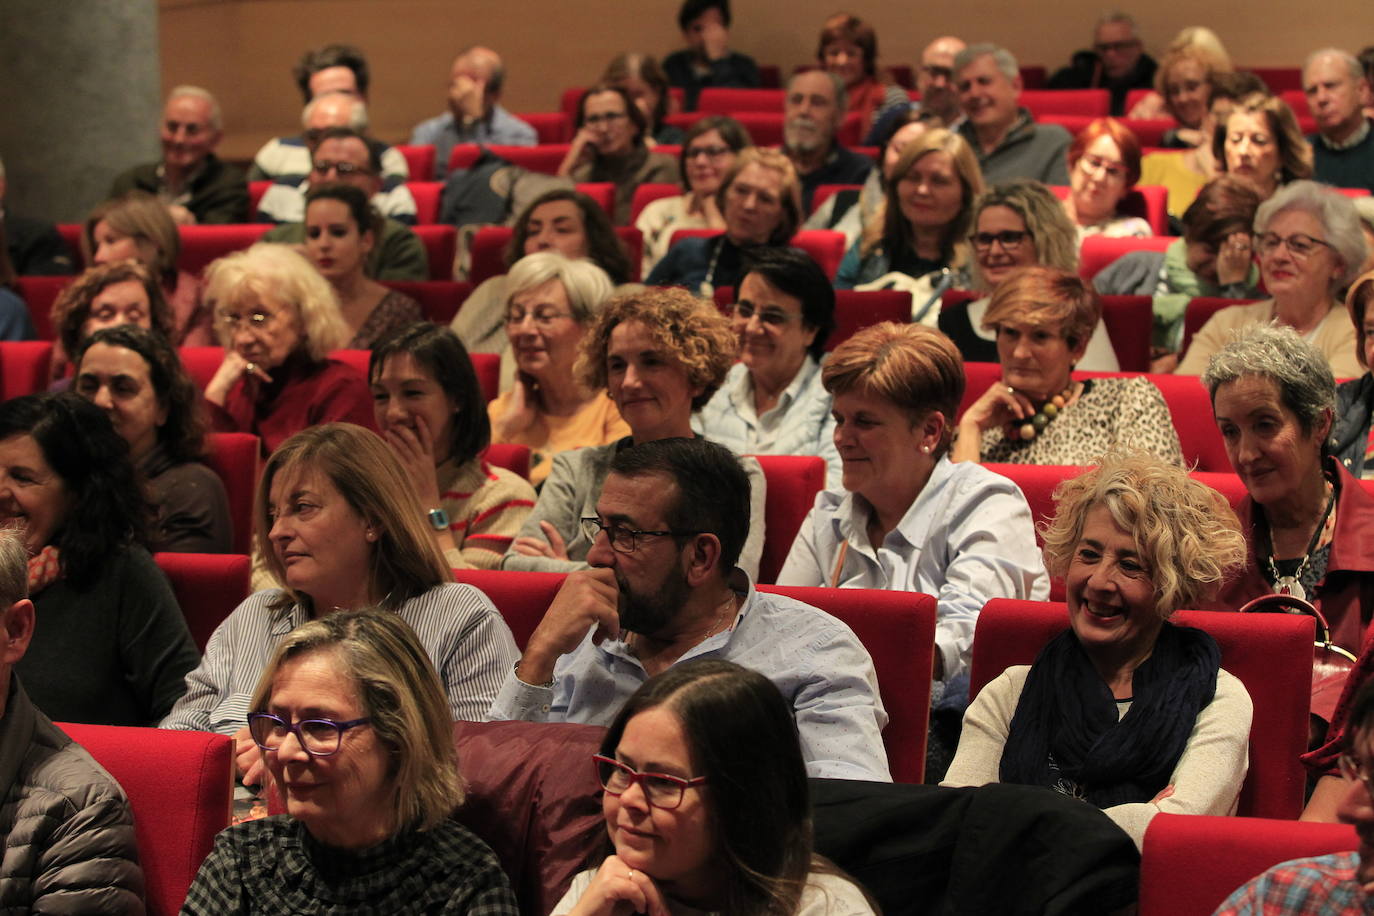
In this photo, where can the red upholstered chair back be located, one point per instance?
(357, 359)
(857, 309)
(825, 246)
(793, 482)
(521, 597)
(208, 586)
(39, 293)
(202, 244)
(179, 786)
(1270, 653)
(729, 101)
(514, 458)
(440, 299)
(256, 190)
(201, 363)
(1199, 312)
(426, 194)
(647, 193)
(1093, 103)
(549, 126)
(1191, 864)
(978, 377)
(826, 191)
(24, 366)
(545, 158)
(488, 369)
(1097, 252)
(419, 159)
(441, 244)
(898, 630)
(1129, 321)
(235, 457)
(71, 237)
(603, 192)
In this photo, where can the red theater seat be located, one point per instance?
(1093, 103)
(235, 458)
(256, 189)
(727, 101)
(825, 246)
(441, 245)
(208, 586)
(826, 191)
(603, 192)
(39, 294)
(765, 127)
(488, 369)
(508, 455)
(202, 244)
(24, 367)
(857, 309)
(1097, 252)
(1200, 310)
(426, 194)
(646, 194)
(521, 597)
(1129, 321)
(419, 159)
(793, 482)
(1147, 201)
(440, 299)
(549, 126)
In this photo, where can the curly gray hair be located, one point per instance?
(1306, 385)
(1337, 214)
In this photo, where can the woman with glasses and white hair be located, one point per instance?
(350, 720)
(278, 319)
(552, 302)
(1310, 246)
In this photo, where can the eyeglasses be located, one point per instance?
(1107, 47)
(660, 789)
(254, 321)
(1300, 246)
(342, 169)
(609, 117)
(775, 317)
(542, 318)
(623, 540)
(319, 737)
(935, 72)
(1010, 239)
(1114, 170)
(710, 152)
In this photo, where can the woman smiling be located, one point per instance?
(610, 146)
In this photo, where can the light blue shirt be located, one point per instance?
(498, 128)
(822, 669)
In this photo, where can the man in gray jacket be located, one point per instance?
(1007, 141)
(66, 831)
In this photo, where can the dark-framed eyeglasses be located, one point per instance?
(1116, 171)
(774, 316)
(660, 789)
(319, 737)
(606, 117)
(1299, 245)
(1010, 239)
(1107, 47)
(623, 539)
(342, 169)
(710, 152)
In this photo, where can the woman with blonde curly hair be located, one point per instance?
(1134, 540)
(660, 354)
(278, 318)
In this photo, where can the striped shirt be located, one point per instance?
(486, 506)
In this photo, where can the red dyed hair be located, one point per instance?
(1124, 138)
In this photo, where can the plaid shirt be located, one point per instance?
(1322, 886)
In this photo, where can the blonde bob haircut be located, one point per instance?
(1357, 304)
(683, 328)
(1046, 298)
(268, 272)
(586, 284)
(912, 366)
(792, 213)
(890, 229)
(406, 562)
(400, 692)
(142, 217)
(1051, 230)
(1185, 532)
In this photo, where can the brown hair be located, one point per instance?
(844, 27)
(1295, 154)
(1225, 204)
(1045, 297)
(893, 231)
(73, 305)
(1357, 303)
(792, 214)
(138, 215)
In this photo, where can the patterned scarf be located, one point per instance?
(44, 568)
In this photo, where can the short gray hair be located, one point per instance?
(587, 285)
(1352, 63)
(14, 567)
(1306, 385)
(841, 93)
(1005, 60)
(1336, 212)
(1111, 16)
(195, 92)
(357, 118)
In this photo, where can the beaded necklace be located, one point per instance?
(1028, 429)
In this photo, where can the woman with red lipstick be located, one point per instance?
(1104, 163)
(340, 231)
(1134, 540)
(1260, 141)
(707, 806)
(610, 146)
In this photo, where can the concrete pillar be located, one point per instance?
(80, 88)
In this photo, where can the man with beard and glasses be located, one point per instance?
(664, 588)
(813, 111)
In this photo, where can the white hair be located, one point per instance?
(195, 92)
(1333, 210)
(1352, 63)
(1005, 60)
(357, 118)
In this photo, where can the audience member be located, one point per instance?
(1343, 146)
(1260, 141)
(474, 114)
(1117, 62)
(1104, 164)
(332, 68)
(1007, 140)
(349, 718)
(68, 832)
(642, 77)
(353, 159)
(1350, 440)
(934, 84)
(553, 301)
(1310, 246)
(111, 647)
(772, 401)
(34, 246)
(1037, 413)
(341, 230)
(190, 180)
(707, 61)
(1123, 709)
(278, 320)
(429, 408)
(664, 537)
(135, 376)
(813, 111)
(848, 48)
(610, 145)
(1183, 91)
(15, 321)
(1364, 209)
(121, 292)
(740, 845)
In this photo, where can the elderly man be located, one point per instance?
(474, 113)
(813, 111)
(671, 519)
(1117, 62)
(343, 155)
(194, 184)
(935, 83)
(35, 247)
(288, 158)
(1008, 142)
(707, 61)
(66, 832)
(1343, 146)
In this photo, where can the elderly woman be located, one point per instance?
(430, 410)
(760, 201)
(553, 301)
(134, 375)
(136, 227)
(1019, 223)
(1104, 163)
(641, 76)
(1260, 141)
(919, 244)
(122, 292)
(1310, 247)
(111, 647)
(562, 220)
(341, 229)
(338, 522)
(1355, 397)
(773, 402)
(349, 717)
(907, 518)
(848, 48)
(278, 320)
(610, 146)
(708, 155)
(1183, 89)
(726, 802)
(660, 354)
(1134, 540)
(1037, 413)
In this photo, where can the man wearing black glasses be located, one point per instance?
(1117, 62)
(663, 588)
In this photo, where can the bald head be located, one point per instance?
(935, 78)
(334, 109)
